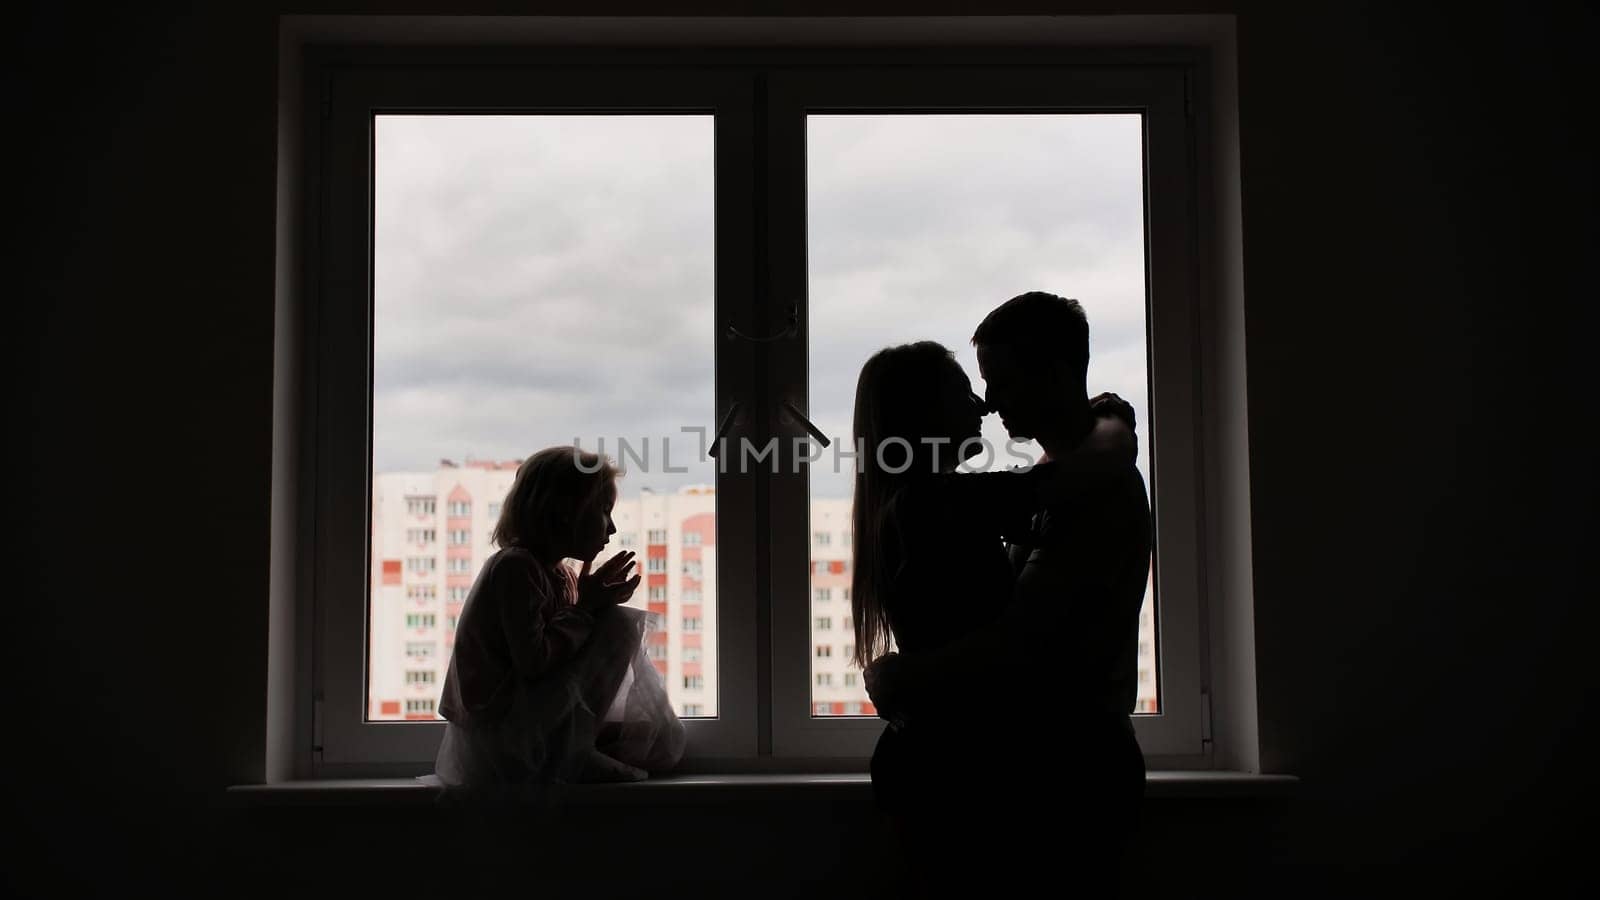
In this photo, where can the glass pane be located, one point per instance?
(918, 226)
(538, 280)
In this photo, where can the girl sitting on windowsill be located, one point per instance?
(549, 682)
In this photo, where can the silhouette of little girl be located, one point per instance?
(549, 682)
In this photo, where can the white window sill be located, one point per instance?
(1159, 785)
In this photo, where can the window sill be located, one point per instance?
(1160, 786)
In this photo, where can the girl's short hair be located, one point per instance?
(551, 488)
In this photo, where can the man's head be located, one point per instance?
(1033, 352)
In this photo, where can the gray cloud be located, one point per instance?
(543, 278)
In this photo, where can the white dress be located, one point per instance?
(536, 684)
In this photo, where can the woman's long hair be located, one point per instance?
(897, 396)
(551, 489)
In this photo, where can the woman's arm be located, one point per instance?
(542, 628)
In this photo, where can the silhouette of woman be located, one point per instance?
(931, 566)
(548, 682)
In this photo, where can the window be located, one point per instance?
(824, 651)
(658, 594)
(421, 592)
(415, 707)
(373, 282)
(420, 649)
(493, 511)
(656, 651)
(691, 654)
(449, 622)
(416, 676)
(457, 593)
(824, 679)
(419, 535)
(693, 682)
(849, 651)
(693, 709)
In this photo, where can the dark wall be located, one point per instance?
(1419, 207)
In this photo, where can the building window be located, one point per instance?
(822, 595)
(656, 565)
(852, 707)
(493, 512)
(460, 537)
(459, 509)
(821, 539)
(849, 679)
(693, 682)
(457, 593)
(420, 649)
(693, 709)
(824, 651)
(626, 539)
(824, 679)
(416, 707)
(822, 709)
(691, 623)
(691, 538)
(849, 651)
(421, 620)
(421, 592)
(658, 594)
(691, 654)
(420, 535)
(420, 565)
(451, 622)
(690, 596)
(657, 536)
(419, 506)
(844, 594)
(459, 566)
(691, 568)
(419, 676)
(824, 623)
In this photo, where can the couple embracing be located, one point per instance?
(1012, 603)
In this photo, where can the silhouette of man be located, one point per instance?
(1064, 657)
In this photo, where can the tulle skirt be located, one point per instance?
(608, 697)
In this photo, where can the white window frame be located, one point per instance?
(1163, 96)
(346, 83)
(351, 86)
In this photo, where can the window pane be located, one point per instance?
(538, 280)
(918, 226)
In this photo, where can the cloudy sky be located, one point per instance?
(545, 278)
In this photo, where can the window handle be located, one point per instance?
(722, 428)
(810, 427)
(790, 329)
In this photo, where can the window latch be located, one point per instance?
(790, 329)
(722, 428)
(811, 428)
